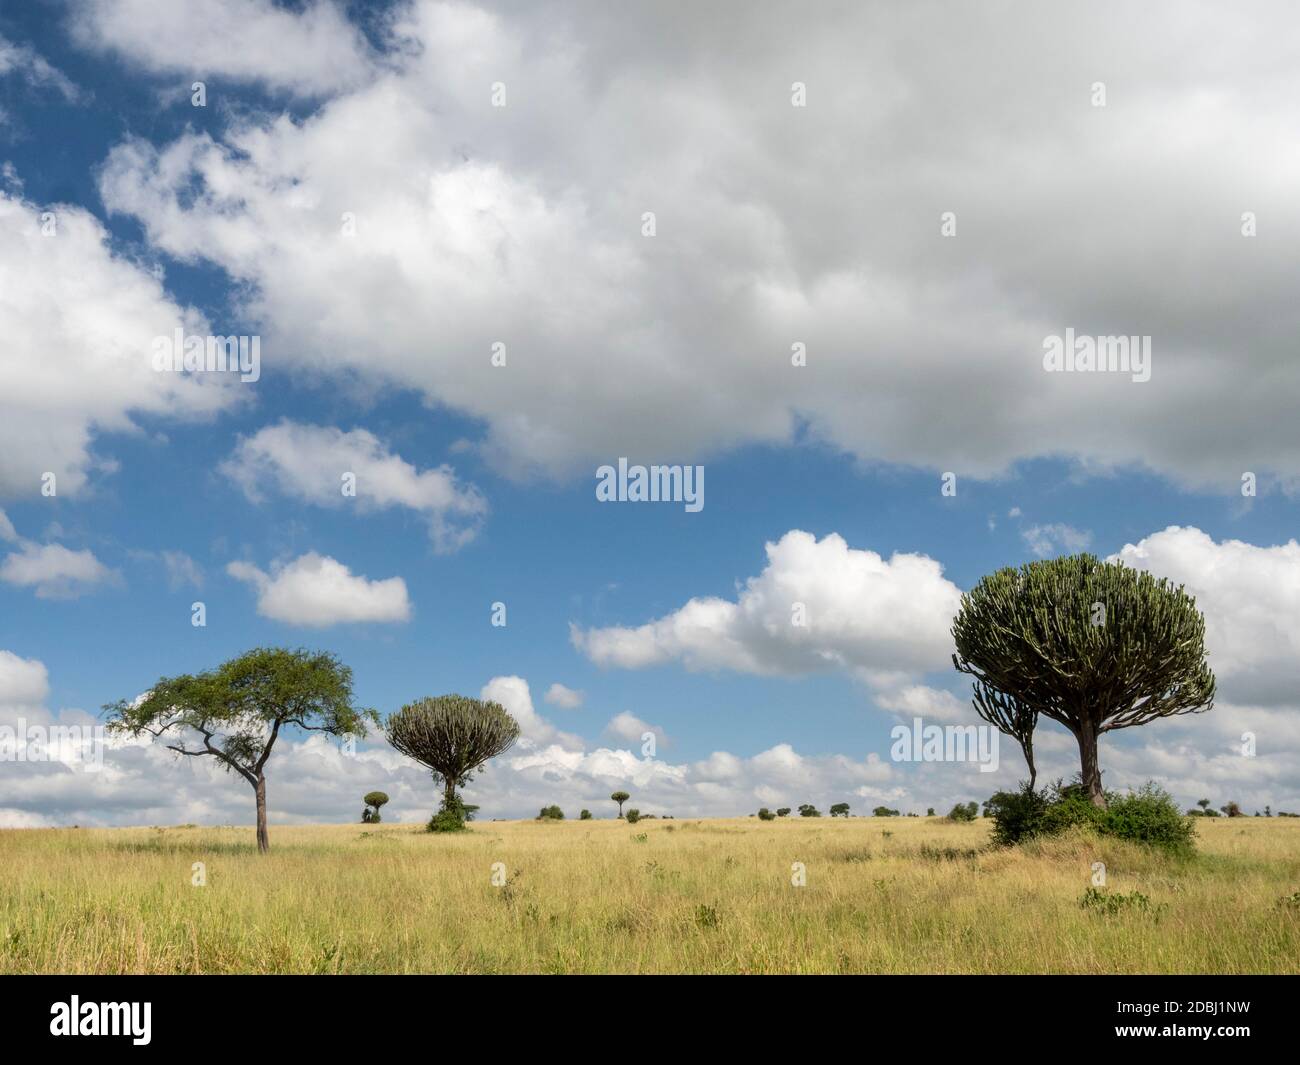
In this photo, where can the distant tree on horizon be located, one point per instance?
(840, 809)
(809, 810)
(784, 811)
(585, 815)
(236, 712)
(620, 797)
(373, 800)
(551, 813)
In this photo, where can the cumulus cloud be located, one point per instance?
(535, 731)
(306, 53)
(317, 591)
(1056, 538)
(919, 700)
(23, 681)
(564, 697)
(308, 462)
(54, 571)
(818, 605)
(467, 214)
(1250, 597)
(629, 728)
(78, 323)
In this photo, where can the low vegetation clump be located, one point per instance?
(1147, 816)
(1112, 903)
(551, 813)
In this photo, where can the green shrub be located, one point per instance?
(585, 815)
(633, 816)
(1146, 816)
(766, 815)
(1111, 904)
(1017, 815)
(551, 813)
(451, 816)
(1149, 816)
(963, 812)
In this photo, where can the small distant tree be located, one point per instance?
(551, 813)
(1268, 811)
(236, 712)
(783, 811)
(964, 812)
(809, 810)
(929, 812)
(585, 815)
(633, 816)
(884, 811)
(620, 797)
(1231, 809)
(453, 736)
(840, 809)
(1204, 804)
(765, 814)
(373, 800)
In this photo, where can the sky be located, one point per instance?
(487, 249)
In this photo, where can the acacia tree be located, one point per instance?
(1095, 646)
(236, 712)
(620, 797)
(453, 736)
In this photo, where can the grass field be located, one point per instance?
(885, 896)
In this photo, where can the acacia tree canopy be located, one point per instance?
(236, 712)
(1095, 646)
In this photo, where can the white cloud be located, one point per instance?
(23, 681)
(535, 731)
(629, 728)
(54, 571)
(933, 704)
(1056, 538)
(564, 697)
(879, 619)
(309, 53)
(1250, 597)
(34, 69)
(77, 324)
(308, 462)
(467, 215)
(317, 591)
(7, 531)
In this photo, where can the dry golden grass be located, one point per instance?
(882, 896)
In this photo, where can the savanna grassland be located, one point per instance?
(901, 895)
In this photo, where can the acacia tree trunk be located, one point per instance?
(449, 794)
(1090, 772)
(263, 840)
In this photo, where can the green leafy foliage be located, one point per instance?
(1147, 816)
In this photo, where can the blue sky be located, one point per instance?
(670, 349)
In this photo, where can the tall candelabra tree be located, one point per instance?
(453, 736)
(1095, 646)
